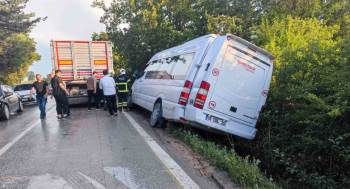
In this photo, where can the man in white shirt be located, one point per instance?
(107, 84)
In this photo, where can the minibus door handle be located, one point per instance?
(233, 109)
(206, 69)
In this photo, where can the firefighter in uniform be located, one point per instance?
(123, 90)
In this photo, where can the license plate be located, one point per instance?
(215, 119)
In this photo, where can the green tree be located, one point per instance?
(304, 129)
(139, 29)
(13, 19)
(17, 49)
(102, 36)
(295, 8)
(31, 76)
(18, 54)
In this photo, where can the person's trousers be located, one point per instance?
(123, 99)
(42, 105)
(111, 103)
(62, 105)
(92, 95)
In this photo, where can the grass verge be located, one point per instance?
(241, 170)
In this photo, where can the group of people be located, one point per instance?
(111, 88)
(108, 86)
(59, 92)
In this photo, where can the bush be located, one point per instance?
(242, 170)
(304, 132)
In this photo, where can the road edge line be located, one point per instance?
(168, 162)
(8, 146)
(92, 181)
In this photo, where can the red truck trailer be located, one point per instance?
(78, 60)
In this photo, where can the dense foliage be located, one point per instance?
(243, 170)
(304, 131)
(17, 49)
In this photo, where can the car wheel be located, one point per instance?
(20, 107)
(5, 114)
(156, 119)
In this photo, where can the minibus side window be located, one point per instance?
(165, 68)
(152, 69)
(182, 66)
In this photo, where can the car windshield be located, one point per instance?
(23, 87)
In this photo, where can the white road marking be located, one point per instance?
(92, 181)
(123, 175)
(170, 164)
(20, 136)
(48, 181)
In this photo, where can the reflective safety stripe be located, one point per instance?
(122, 87)
(121, 83)
(123, 91)
(123, 104)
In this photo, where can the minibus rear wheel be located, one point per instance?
(156, 119)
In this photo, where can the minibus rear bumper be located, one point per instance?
(226, 125)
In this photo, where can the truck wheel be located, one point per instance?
(156, 119)
(5, 114)
(20, 106)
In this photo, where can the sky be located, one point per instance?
(66, 20)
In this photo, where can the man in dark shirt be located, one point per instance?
(60, 93)
(41, 89)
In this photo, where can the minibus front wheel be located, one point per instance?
(156, 119)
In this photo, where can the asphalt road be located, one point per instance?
(88, 150)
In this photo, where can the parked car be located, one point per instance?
(24, 90)
(213, 82)
(10, 102)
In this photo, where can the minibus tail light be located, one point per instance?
(185, 94)
(202, 95)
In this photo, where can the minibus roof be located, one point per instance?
(251, 45)
(233, 37)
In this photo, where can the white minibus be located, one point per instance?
(213, 82)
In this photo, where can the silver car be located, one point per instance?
(24, 91)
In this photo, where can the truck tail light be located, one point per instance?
(202, 95)
(185, 94)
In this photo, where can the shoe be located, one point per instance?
(115, 114)
(89, 110)
(66, 115)
(60, 117)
